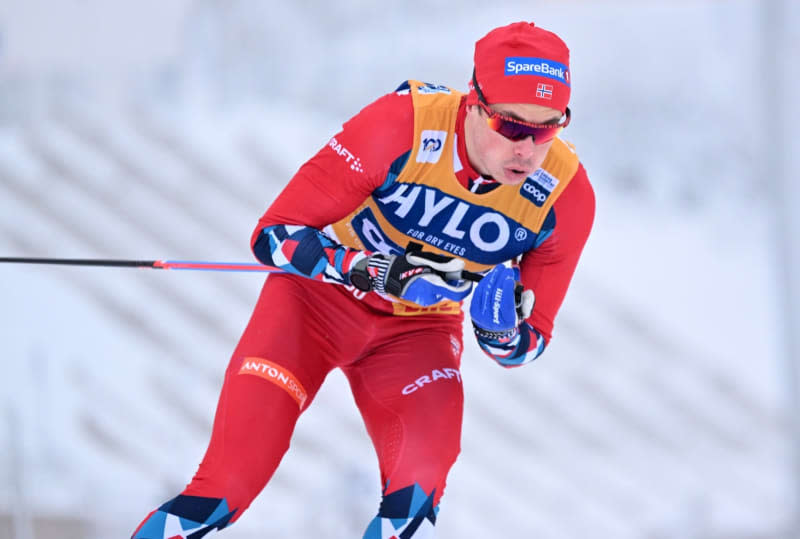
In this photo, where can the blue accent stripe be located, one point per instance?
(394, 171)
(547, 228)
(154, 527)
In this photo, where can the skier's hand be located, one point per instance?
(419, 277)
(499, 302)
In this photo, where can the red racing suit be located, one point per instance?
(397, 172)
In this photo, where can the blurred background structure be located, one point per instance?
(665, 406)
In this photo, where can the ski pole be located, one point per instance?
(171, 264)
(193, 265)
(147, 264)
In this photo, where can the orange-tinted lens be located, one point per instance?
(517, 131)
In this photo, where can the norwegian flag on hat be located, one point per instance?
(544, 91)
(522, 63)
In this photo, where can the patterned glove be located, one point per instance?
(416, 276)
(499, 303)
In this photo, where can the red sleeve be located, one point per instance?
(348, 169)
(548, 269)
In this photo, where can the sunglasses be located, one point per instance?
(514, 129)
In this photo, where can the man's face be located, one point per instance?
(492, 154)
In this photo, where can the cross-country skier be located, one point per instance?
(479, 182)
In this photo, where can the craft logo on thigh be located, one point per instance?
(446, 373)
(276, 374)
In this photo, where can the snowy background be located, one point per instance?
(162, 130)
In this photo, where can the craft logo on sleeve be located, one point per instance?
(352, 160)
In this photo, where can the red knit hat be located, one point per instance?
(521, 63)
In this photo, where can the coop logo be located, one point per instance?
(518, 65)
(538, 187)
(431, 144)
(534, 193)
(434, 376)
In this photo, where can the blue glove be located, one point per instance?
(499, 304)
